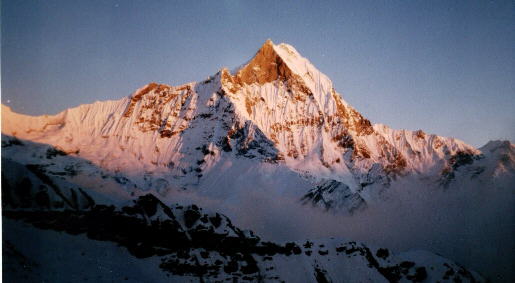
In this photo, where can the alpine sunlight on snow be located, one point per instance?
(157, 173)
(270, 171)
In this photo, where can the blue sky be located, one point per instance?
(446, 67)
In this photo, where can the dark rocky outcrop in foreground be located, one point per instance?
(193, 243)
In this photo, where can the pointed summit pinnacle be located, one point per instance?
(268, 42)
(266, 66)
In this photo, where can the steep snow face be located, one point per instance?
(158, 130)
(316, 131)
(277, 109)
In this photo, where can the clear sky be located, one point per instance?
(446, 67)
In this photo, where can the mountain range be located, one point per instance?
(274, 126)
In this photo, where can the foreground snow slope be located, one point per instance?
(187, 245)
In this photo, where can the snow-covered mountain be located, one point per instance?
(277, 110)
(276, 127)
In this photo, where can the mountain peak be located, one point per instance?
(278, 106)
(266, 66)
(268, 42)
(277, 63)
